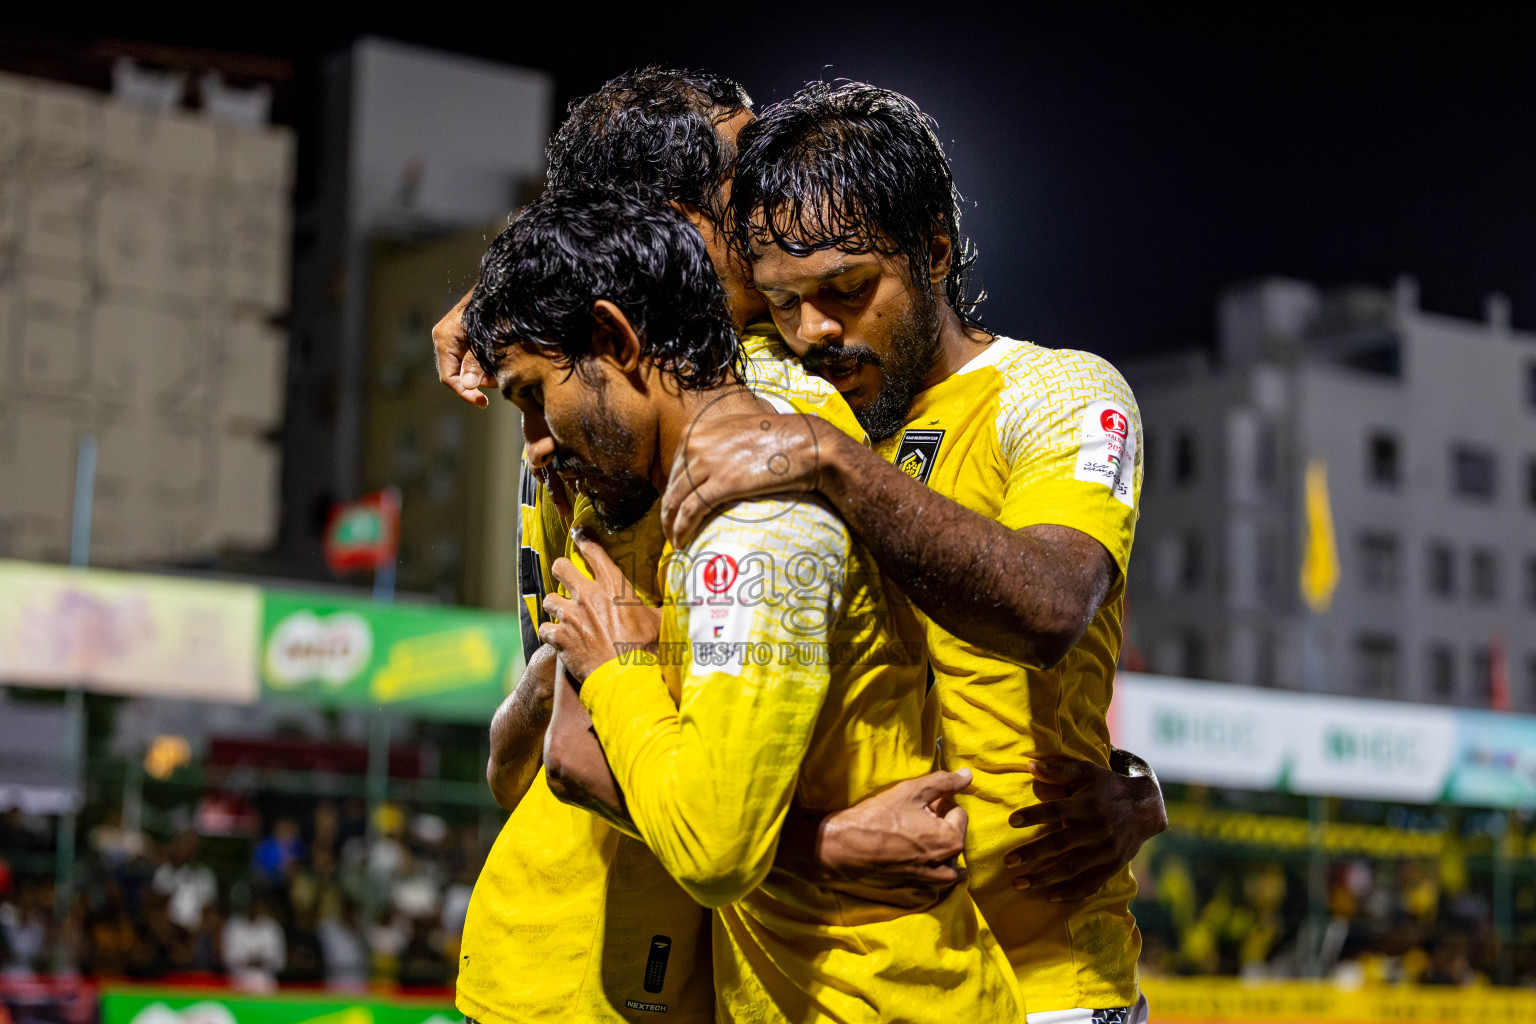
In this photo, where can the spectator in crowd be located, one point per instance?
(277, 853)
(188, 887)
(255, 949)
(24, 931)
(143, 913)
(344, 950)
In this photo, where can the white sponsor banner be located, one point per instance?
(1385, 750)
(128, 633)
(1222, 734)
(1200, 732)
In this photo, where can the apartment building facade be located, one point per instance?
(1426, 425)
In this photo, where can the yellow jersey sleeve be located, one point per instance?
(1070, 439)
(709, 777)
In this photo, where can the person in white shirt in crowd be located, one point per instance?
(189, 887)
(254, 947)
(344, 950)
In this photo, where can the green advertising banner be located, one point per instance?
(431, 661)
(181, 1007)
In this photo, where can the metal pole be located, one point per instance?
(1317, 884)
(73, 753)
(378, 792)
(85, 499)
(1504, 901)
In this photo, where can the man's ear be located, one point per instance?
(614, 337)
(941, 253)
(692, 211)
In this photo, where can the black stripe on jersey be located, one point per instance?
(530, 579)
(527, 487)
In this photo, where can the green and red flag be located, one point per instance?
(364, 534)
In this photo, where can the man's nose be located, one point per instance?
(816, 327)
(541, 449)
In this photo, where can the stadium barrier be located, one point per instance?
(1233, 1001)
(145, 1005)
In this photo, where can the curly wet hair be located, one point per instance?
(540, 277)
(851, 167)
(652, 128)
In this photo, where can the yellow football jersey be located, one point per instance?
(542, 941)
(1026, 435)
(571, 920)
(771, 369)
(787, 671)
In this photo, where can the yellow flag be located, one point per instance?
(1320, 561)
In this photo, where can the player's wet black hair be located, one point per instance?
(850, 167)
(652, 128)
(569, 248)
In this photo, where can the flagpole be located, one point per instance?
(378, 727)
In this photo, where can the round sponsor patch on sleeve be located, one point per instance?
(725, 594)
(1106, 452)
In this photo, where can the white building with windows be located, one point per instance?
(1427, 426)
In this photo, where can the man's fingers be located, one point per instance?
(687, 519)
(566, 572)
(555, 606)
(1079, 888)
(549, 633)
(1047, 848)
(935, 785)
(1062, 773)
(957, 819)
(451, 349)
(1068, 869)
(596, 555)
(1041, 814)
(470, 374)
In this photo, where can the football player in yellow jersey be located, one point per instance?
(787, 670)
(890, 839)
(1007, 517)
(543, 940)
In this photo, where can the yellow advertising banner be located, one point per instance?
(128, 633)
(1232, 1001)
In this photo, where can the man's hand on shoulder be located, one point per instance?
(456, 365)
(732, 458)
(1102, 818)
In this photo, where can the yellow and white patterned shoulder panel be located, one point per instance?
(1068, 402)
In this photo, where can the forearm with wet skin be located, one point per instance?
(517, 731)
(1024, 594)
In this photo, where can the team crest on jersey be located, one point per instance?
(919, 449)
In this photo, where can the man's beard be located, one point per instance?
(620, 496)
(914, 347)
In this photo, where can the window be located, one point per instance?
(1482, 673)
(1378, 562)
(1473, 472)
(1485, 575)
(1194, 562)
(1185, 462)
(1376, 663)
(1442, 670)
(1194, 655)
(1381, 460)
(1442, 570)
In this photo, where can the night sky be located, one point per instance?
(1119, 166)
